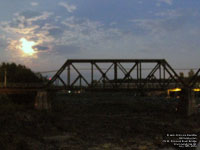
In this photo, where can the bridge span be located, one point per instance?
(133, 75)
(105, 74)
(113, 74)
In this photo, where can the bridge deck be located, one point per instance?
(18, 91)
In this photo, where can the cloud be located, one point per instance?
(3, 43)
(30, 16)
(26, 24)
(34, 4)
(85, 33)
(163, 25)
(169, 32)
(169, 13)
(41, 48)
(172, 38)
(56, 32)
(169, 2)
(69, 8)
(21, 29)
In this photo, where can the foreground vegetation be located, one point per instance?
(93, 122)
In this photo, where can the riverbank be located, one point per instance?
(94, 122)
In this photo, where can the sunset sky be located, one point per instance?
(42, 34)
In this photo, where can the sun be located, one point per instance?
(27, 46)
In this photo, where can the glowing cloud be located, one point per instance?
(27, 46)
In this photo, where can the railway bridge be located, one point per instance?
(133, 75)
(119, 74)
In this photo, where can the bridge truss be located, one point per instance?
(194, 81)
(117, 74)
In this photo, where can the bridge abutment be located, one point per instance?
(43, 100)
(187, 104)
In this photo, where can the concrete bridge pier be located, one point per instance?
(43, 100)
(187, 104)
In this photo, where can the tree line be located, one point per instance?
(19, 74)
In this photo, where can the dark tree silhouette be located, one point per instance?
(18, 74)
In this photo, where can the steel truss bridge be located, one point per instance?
(120, 74)
(133, 75)
(139, 76)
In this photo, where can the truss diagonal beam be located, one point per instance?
(194, 79)
(75, 81)
(62, 82)
(103, 74)
(175, 76)
(58, 73)
(151, 74)
(122, 68)
(128, 74)
(80, 74)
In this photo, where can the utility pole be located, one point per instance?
(5, 78)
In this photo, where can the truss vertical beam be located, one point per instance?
(115, 71)
(92, 74)
(68, 75)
